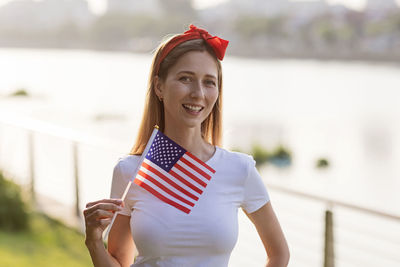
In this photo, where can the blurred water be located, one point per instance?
(346, 112)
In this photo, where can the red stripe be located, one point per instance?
(190, 175)
(161, 197)
(194, 167)
(177, 176)
(172, 183)
(200, 162)
(166, 189)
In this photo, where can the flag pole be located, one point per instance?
(153, 135)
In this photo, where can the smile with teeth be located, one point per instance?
(193, 108)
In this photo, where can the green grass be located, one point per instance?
(48, 243)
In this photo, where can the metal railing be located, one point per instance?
(33, 127)
(329, 227)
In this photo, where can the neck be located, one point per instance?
(190, 139)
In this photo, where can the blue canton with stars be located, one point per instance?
(164, 152)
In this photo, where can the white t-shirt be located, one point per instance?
(167, 237)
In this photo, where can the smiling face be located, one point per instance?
(189, 91)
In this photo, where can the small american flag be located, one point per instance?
(173, 174)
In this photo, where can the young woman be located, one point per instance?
(185, 99)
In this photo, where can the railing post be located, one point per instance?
(76, 176)
(31, 153)
(329, 260)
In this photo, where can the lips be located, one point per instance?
(193, 108)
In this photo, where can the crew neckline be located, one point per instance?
(213, 156)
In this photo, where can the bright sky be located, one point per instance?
(98, 6)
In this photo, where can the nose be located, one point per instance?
(197, 90)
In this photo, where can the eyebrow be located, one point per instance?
(192, 73)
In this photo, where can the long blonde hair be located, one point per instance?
(153, 114)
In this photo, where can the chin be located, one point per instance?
(192, 123)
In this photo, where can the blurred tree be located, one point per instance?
(281, 156)
(260, 154)
(322, 163)
(114, 30)
(19, 92)
(253, 26)
(355, 20)
(323, 29)
(389, 25)
(181, 8)
(13, 210)
(69, 34)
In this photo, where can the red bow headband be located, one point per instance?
(217, 44)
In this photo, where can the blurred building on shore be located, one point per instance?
(271, 8)
(386, 5)
(378, 9)
(154, 8)
(303, 9)
(134, 7)
(44, 15)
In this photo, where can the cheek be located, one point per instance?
(173, 93)
(213, 96)
(177, 91)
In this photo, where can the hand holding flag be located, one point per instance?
(170, 173)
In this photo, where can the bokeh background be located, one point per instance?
(311, 90)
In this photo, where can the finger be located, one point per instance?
(99, 223)
(99, 214)
(103, 206)
(108, 200)
(105, 222)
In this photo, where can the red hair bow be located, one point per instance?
(217, 44)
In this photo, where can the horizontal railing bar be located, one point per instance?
(303, 241)
(379, 254)
(299, 226)
(377, 235)
(349, 262)
(300, 209)
(330, 201)
(305, 252)
(358, 255)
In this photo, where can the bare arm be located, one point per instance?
(120, 242)
(98, 215)
(270, 232)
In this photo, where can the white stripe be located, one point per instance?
(195, 163)
(172, 178)
(162, 192)
(170, 187)
(183, 165)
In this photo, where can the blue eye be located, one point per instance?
(210, 82)
(185, 78)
